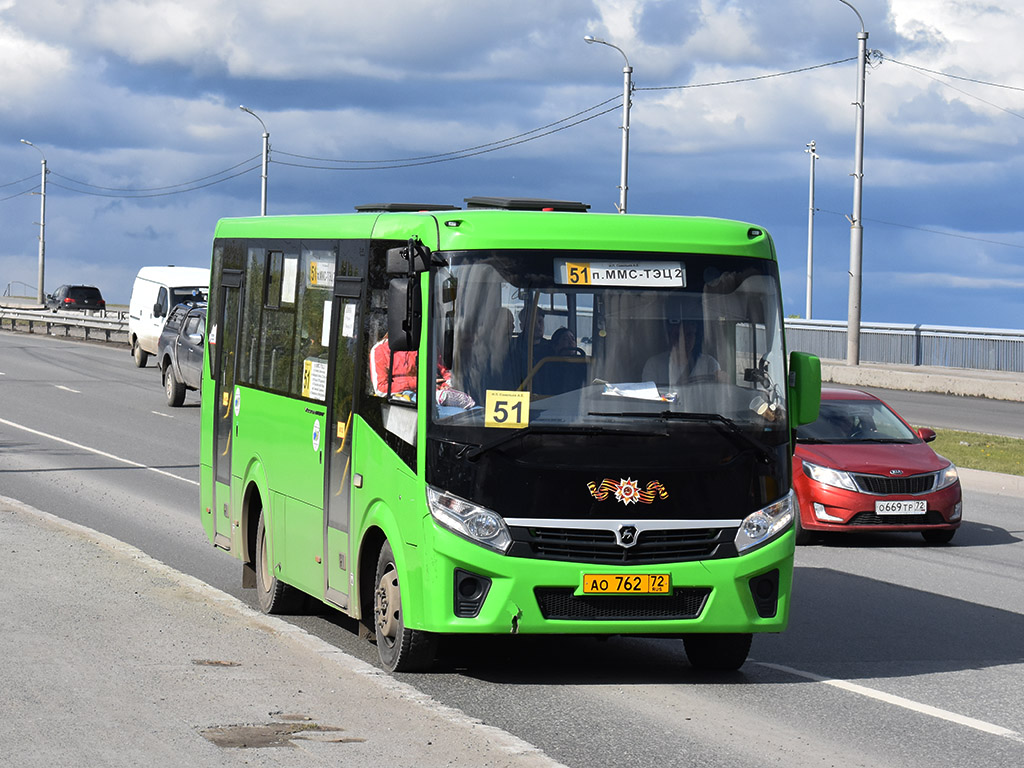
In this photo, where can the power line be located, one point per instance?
(158, 189)
(947, 74)
(160, 194)
(468, 149)
(747, 79)
(449, 156)
(926, 72)
(931, 231)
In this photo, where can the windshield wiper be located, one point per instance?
(542, 429)
(723, 423)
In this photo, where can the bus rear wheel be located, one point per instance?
(274, 596)
(719, 652)
(400, 649)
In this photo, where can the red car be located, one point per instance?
(860, 467)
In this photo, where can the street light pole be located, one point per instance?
(627, 89)
(810, 232)
(266, 160)
(856, 227)
(40, 293)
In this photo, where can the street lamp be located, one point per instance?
(266, 160)
(810, 232)
(627, 88)
(856, 228)
(40, 295)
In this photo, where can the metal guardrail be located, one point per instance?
(106, 324)
(988, 349)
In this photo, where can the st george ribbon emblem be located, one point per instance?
(628, 491)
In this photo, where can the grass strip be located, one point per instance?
(973, 450)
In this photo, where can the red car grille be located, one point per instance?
(888, 486)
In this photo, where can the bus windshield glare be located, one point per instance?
(596, 338)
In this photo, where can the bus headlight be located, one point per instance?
(765, 524)
(478, 524)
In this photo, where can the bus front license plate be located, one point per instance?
(631, 584)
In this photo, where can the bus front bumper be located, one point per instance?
(470, 589)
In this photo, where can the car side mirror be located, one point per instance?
(926, 434)
(158, 311)
(195, 339)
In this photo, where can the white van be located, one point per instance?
(156, 290)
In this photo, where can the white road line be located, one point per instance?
(899, 701)
(165, 415)
(67, 389)
(96, 451)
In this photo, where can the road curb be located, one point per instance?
(502, 741)
(991, 482)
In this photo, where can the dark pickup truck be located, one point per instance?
(180, 350)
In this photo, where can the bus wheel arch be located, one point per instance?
(400, 648)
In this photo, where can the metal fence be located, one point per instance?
(95, 326)
(990, 349)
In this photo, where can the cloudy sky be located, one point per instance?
(135, 104)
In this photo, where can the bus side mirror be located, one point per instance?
(404, 314)
(414, 257)
(804, 388)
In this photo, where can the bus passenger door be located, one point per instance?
(224, 376)
(338, 482)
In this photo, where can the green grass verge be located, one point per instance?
(973, 450)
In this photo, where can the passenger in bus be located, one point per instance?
(398, 369)
(684, 362)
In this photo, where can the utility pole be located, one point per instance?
(810, 233)
(40, 292)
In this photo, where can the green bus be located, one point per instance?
(516, 416)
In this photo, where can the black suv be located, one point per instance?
(180, 350)
(75, 297)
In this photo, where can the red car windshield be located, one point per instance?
(856, 421)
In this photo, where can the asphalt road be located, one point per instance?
(897, 653)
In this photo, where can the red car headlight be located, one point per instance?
(837, 478)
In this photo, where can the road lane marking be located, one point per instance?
(98, 452)
(67, 389)
(165, 415)
(899, 701)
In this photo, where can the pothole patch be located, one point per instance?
(275, 734)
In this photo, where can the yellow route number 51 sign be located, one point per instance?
(507, 409)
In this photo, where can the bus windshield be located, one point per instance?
(594, 338)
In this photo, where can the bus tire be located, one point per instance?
(400, 649)
(718, 652)
(174, 389)
(139, 354)
(274, 596)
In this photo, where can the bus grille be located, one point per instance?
(599, 546)
(561, 603)
(887, 486)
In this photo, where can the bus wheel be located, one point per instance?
(274, 596)
(721, 652)
(400, 649)
(140, 356)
